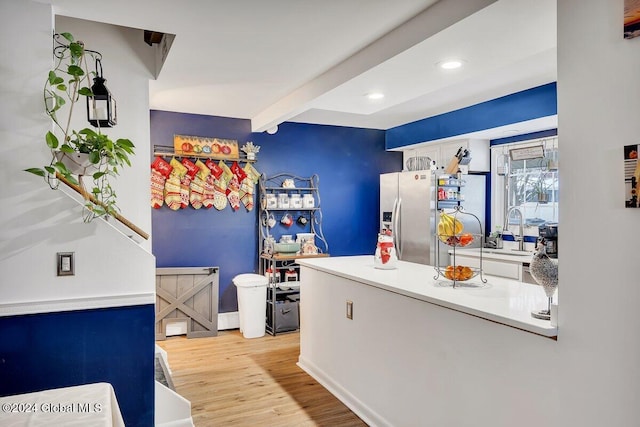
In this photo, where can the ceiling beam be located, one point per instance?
(430, 21)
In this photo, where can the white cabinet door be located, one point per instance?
(503, 269)
(479, 149)
(490, 267)
(450, 149)
(431, 151)
(443, 152)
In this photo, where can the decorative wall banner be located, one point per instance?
(631, 175)
(189, 145)
(631, 18)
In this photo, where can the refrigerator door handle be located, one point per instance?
(394, 218)
(397, 242)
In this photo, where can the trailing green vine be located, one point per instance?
(66, 84)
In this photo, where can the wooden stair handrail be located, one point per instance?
(93, 200)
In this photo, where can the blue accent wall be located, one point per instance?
(529, 104)
(525, 137)
(347, 160)
(53, 350)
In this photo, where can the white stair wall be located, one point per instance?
(172, 410)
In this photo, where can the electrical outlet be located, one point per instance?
(350, 310)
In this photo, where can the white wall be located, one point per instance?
(599, 317)
(36, 222)
(128, 64)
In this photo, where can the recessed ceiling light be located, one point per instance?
(375, 95)
(450, 64)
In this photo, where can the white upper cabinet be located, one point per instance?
(443, 152)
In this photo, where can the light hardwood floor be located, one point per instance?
(232, 381)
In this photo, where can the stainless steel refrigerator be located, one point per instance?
(408, 207)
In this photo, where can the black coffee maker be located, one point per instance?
(549, 235)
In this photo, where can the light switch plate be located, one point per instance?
(66, 264)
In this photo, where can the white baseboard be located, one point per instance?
(226, 321)
(84, 303)
(230, 320)
(367, 414)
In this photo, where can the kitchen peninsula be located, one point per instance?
(401, 348)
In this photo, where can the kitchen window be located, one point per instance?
(530, 184)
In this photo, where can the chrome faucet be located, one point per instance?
(505, 228)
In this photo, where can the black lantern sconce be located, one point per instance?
(101, 107)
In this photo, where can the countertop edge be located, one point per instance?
(550, 332)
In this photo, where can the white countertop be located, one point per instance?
(501, 300)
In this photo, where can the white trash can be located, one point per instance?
(252, 303)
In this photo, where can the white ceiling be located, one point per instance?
(314, 61)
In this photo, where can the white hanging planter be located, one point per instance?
(77, 163)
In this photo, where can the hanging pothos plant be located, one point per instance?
(85, 152)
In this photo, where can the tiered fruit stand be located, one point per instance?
(452, 272)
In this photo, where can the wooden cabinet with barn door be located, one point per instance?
(187, 302)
